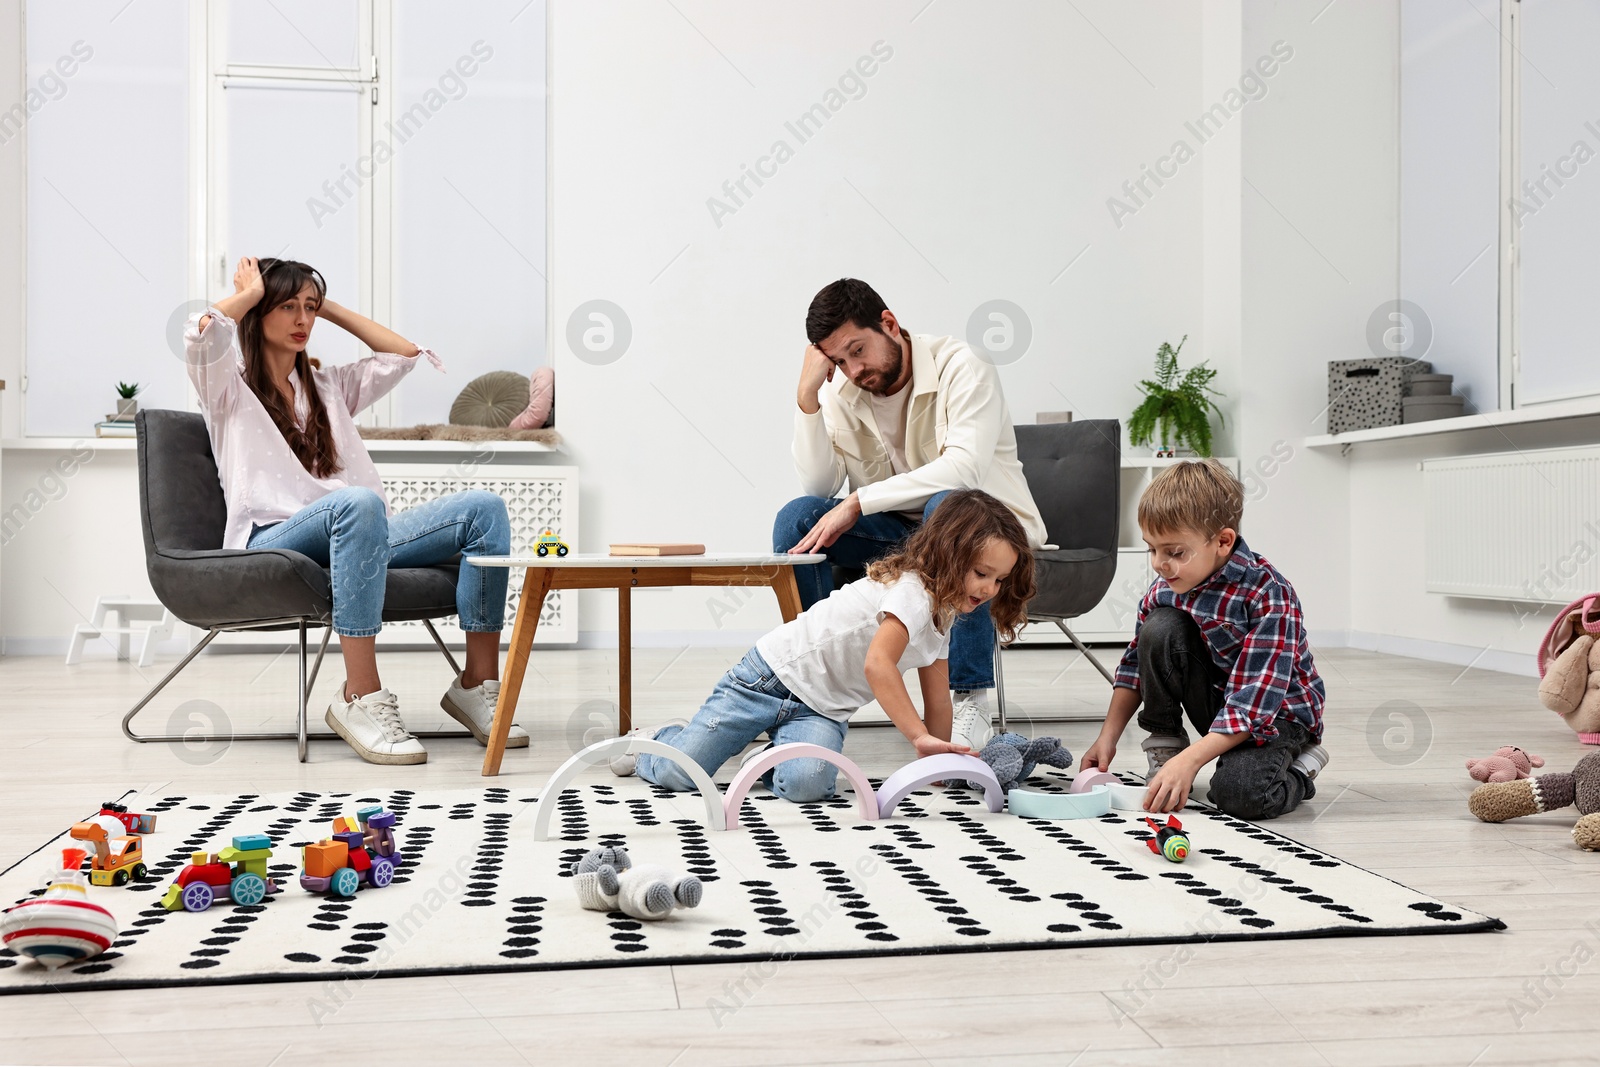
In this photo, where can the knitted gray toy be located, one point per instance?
(1013, 757)
(607, 880)
(595, 877)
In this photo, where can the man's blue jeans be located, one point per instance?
(747, 702)
(348, 532)
(972, 637)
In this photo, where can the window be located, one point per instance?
(397, 148)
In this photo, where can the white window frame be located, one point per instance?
(210, 274)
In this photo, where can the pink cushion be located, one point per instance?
(541, 399)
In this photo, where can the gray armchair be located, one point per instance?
(1074, 470)
(183, 516)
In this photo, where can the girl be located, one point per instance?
(804, 680)
(296, 476)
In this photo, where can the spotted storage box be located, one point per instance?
(1363, 393)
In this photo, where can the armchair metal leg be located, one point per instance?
(300, 709)
(999, 687)
(299, 735)
(454, 666)
(127, 730)
(305, 680)
(1101, 667)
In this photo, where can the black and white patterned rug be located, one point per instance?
(478, 894)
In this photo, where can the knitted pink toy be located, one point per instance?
(1569, 668)
(1506, 765)
(1500, 801)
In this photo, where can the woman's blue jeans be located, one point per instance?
(972, 636)
(747, 702)
(348, 532)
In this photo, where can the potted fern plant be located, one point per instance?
(127, 406)
(1177, 405)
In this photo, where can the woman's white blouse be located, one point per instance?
(262, 479)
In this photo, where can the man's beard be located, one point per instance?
(891, 374)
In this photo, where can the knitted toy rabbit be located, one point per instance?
(1506, 765)
(606, 880)
(1571, 688)
(1013, 757)
(1499, 801)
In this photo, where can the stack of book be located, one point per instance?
(115, 426)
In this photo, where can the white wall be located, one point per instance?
(976, 165)
(1320, 213)
(988, 143)
(12, 245)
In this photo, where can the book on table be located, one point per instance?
(658, 548)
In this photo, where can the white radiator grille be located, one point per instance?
(538, 498)
(1521, 526)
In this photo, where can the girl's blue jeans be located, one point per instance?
(972, 636)
(747, 702)
(348, 532)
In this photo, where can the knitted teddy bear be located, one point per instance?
(1508, 764)
(1013, 757)
(607, 880)
(1499, 801)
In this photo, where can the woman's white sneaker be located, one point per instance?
(373, 727)
(474, 709)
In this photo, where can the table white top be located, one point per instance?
(599, 560)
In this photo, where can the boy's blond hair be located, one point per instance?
(1200, 495)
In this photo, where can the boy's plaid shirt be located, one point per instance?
(1251, 621)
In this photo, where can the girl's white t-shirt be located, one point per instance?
(822, 655)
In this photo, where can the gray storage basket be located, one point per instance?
(1363, 393)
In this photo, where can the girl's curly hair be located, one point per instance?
(944, 548)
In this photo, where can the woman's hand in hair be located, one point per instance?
(247, 277)
(248, 289)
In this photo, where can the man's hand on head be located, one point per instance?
(815, 369)
(830, 527)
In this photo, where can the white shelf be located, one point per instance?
(68, 444)
(1554, 412)
(436, 447)
(427, 448)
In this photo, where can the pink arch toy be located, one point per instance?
(1087, 780)
(780, 753)
(602, 751)
(940, 768)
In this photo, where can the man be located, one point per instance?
(906, 419)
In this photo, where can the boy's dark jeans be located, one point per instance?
(1176, 678)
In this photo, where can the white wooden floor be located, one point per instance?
(1393, 801)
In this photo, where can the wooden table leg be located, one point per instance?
(624, 659)
(788, 592)
(535, 584)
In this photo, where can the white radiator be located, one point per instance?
(538, 498)
(1521, 526)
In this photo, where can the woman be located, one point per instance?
(296, 476)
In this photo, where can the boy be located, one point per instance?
(1219, 638)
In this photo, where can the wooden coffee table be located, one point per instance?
(542, 574)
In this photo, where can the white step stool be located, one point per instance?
(145, 617)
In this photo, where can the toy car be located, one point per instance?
(361, 850)
(118, 857)
(548, 542)
(134, 822)
(237, 873)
